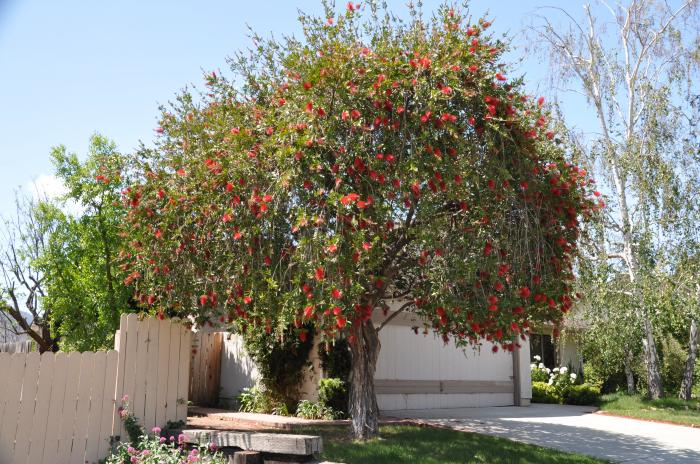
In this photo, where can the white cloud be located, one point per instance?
(47, 187)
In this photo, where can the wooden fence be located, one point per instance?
(62, 408)
(24, 346)
(205, 368)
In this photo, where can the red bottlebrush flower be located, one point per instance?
(226, 217)
(350, 6)
(302, 336)
(540, 101)
(494, 348)
(500, 77)
(415, 188)
(340, 321)
(488, 248)
(471, 121)
(458, 179)
(524, 292)
(336, 294)
(158, 233)
(344, 115)
(267, 198)
(247, 300)
(100, 178)
(596, 193)
(446, 90)
(492, 184)
(518, 310)
(329, 21)
(537, 280)
(354, 114)
(320, 273)
(498, 286)
(203, 300)
(307, 85)
(267, 261)
(366, 246)
(308, 312)
(309, 107)
(181, 172)
(492, 299)
(229, 186)
(426, 117)
(337, 310)
(349, 198)
(332, 248)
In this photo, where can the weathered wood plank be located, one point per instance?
(65, 440)
(96, 403)
(26, 409)
(82, 410)
(304, 445)
(41, 413)
(108, 402)
(163, 363)
(138, 400)
(183, 373)
(13, 391)
(149, 417)
(173, 365)
(53, 423)
(408, 387)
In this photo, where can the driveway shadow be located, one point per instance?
(575, 430)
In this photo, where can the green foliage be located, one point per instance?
(334, 394)
(542, 392)
(367, 155)
(665, 409)
(260, 401)
(316, 410)
(583, 395)
(538, 371)
(84, 284)
(673, 358)
(280, 362)
(131, 423)
(336, 359)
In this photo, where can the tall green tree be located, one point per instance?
(82, 281)
(636, 68)
(371, 161)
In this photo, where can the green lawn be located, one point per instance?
(666, 409)
(422, 445)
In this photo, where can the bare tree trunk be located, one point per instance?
(363, 401)
(629, 373)
(651, 359)
(687, 384)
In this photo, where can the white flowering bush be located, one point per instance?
(538, 371)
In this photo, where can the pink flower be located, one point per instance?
(156, 430)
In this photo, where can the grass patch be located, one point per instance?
(666, 409)
(423, 445)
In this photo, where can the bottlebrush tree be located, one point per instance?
(372, 160)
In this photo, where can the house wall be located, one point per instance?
(238, 371)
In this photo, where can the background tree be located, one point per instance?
(83, 284)
(373, 161)
(22, 288)
(636, 71)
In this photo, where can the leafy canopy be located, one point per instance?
(372, 159)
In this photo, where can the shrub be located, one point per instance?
(309, 410)
(673, 358)
(538, 371)
(280, 362)
(542, 392)
(333, 393)
(583, 395)
(260, 401)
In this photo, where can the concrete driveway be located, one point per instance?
(575, 429)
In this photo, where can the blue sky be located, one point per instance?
(70, 68)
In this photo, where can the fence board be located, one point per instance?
(4, 379)
(26, 409)
(9, 419)
(95, 414)
(149, 417)
(41, 413)
(183, 374)
(108, 403)
(82, 411)
(171, 412)
(65, 433)
(163, 363)
(139, 392)
(127, 375)
(58, 389)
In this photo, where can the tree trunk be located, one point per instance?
(629, 373)
(363, 402)
(687, 384)
(651, 359)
